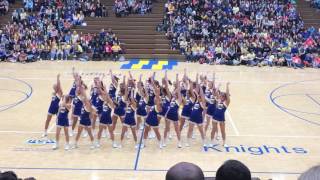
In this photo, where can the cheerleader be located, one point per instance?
(120, 105)
(210, 102)
(172, 114)
(85, 121)
(186, 100)
(223, 101)
(152, 117)
(76, 110)
(129, 118)
(96, 101)
(105, 118)
(62, 118)
(113, 86)
(54, 105)
(141, 101)
(72, 92)
(63, 121)
(196, 116)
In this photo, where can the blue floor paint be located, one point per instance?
(272, 99)
(27, 94)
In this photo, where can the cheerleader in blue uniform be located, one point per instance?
(152, 117)
(172, 114)
(85, 121)
(210, 102)
(196, 116)
(54, 104)
(95, 101)
(113, 86)
(141, 101)
(223, 101)
(63, 121)
(129, 119)
(120, 105)
(187, 100)
(105, 118)
(76, 110)
(72, 92)
(150, 91)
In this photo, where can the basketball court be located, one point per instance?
(273, 125)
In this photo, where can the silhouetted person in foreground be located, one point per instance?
(185, 171)
(233, 170)
(311, 174)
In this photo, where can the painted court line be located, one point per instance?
(238, 82)
(128, 170)
(242, 135)
(309, 96)
(232, 123)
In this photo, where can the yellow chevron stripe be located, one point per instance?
(140, 64)
(160, 65)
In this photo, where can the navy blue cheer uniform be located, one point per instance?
(85, 117)
(54, 105)
(129, 119)
(211, 105)
(173, 109)
(105, 118)
(112, 91)
(98, 105)
(63, 120)
(196, 113)
(219, 114)
(141, 106)
(77, 106)
(165, 107)
(183, 92)
(72, 91)
(151, 98)
(152, 118)
(120, 107)
(187, 109)
(94, 96)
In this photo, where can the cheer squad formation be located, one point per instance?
(140, 106)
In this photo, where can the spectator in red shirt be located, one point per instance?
(107, 51)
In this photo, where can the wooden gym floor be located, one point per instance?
(273, 125)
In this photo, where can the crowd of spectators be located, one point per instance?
(4, 6)
(45, 34)
(315, 3)
(126, 7)
(249, 32)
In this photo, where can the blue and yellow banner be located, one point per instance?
(151, 64)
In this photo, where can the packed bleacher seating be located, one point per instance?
(250, 32)
(42, 31)
(126, 7)
(315, 3)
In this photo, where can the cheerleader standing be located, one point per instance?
(152, 117)
(196, 116)
(141, 101)
(63, 121)
(105, 118)
(129, 119)
(172, 114)
(210, 102)
(54, 105)
(62, 118)
(223, 101)
(85, 121)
